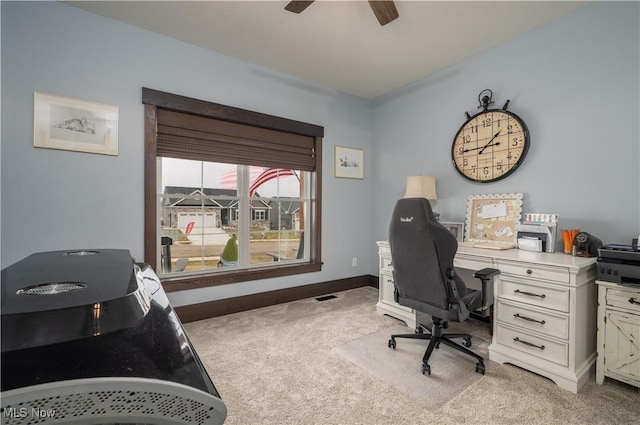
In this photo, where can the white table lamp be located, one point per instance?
(421, 187)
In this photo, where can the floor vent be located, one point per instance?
(326, 297)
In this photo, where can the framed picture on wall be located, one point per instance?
(457, 229)
(75, 125)
(348, 163)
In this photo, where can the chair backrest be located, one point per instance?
(422, 252)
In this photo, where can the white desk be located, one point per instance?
(544, 309)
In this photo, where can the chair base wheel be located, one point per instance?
(426, 369)
(392, 343)
(466, 341)
(480, 368)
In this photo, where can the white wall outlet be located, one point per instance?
(354, 262)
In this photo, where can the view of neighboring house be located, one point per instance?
(218, 209)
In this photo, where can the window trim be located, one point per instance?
(154, 100)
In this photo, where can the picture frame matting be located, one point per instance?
(75, 125)
(348, 163)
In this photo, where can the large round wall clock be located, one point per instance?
(490, 145)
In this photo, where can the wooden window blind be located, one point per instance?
(188, 136)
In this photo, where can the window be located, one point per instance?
(230, 194)
(260, 215)
(203, 205)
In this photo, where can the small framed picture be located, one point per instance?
(75, 125)
(457, 229)
(348, 163)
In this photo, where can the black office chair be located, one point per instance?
(422, 252)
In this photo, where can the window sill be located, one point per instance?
(173, 284)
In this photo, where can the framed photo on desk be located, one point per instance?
(457, 229)
(493, 218)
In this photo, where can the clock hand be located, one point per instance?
(486, 146)
(489, 144)
(475, 149)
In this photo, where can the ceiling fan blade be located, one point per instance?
(384, 10)
(297, 6)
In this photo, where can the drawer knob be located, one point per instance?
(530, 344)
(529, 271)
(531, 294)
(634, 301)
(517, 316)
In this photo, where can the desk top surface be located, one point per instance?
(552, 259)
(549, 258)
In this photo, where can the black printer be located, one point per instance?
(619, 264)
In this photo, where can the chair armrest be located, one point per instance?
(485, 275)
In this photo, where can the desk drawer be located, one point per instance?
(548, 296)
(627, 299)
(534, 320)
(471, 262)
(386, 286)
(530, 270)
(386, 295)
(536, 346)
(386, 264)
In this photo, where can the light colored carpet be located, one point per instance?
(277, 366)
(451, 371)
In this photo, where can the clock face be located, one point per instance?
(490, 146)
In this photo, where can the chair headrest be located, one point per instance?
(413, 210)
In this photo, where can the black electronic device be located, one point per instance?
(619, 263)
(90, 337)
(586, 245)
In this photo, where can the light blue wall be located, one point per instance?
(575, 82)
(64, 200)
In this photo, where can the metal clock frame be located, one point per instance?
(485, 101)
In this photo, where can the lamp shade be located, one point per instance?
(421, 187)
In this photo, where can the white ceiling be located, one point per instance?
(340, 44)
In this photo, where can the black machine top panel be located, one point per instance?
(137, 335)
(66, 279)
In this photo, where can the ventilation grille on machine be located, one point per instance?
(51, 288)
(111, 400)
(81, 253)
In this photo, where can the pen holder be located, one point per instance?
(567, 237)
